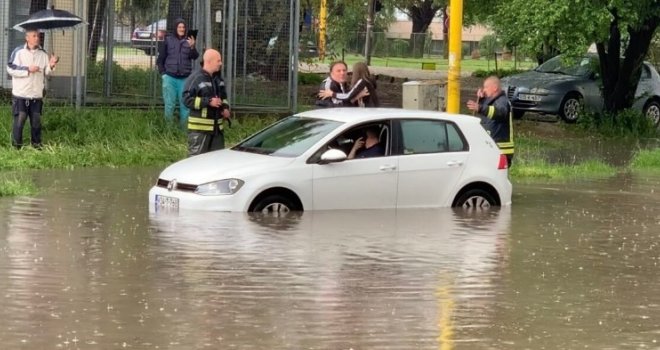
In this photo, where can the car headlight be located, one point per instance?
(220, 187)
(539, 91)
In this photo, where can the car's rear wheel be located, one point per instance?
(518, 114)
(571, 107)
(275, 204)
(652, 111)
(475, 199)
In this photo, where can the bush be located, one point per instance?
(482, 73)
(626, 123)
(309, 78)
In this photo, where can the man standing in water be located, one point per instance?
(28, 66)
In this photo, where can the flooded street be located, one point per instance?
(569, 265)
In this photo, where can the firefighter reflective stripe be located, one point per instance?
(200, 124)
(506, 147)
(198, 103)
(491, 112)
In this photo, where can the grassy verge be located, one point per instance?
(646, 160)
(113, 137)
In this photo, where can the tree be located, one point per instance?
(422, 13)
(622, 31)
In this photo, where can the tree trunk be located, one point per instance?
(95, 14)
(620, 79)
(421, 16)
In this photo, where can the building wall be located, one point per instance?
(403, 29)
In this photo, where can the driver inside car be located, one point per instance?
(368, 145)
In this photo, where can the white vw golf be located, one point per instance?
(310, 161)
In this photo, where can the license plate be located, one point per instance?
(168, 203)
(529, 97)
(144, 35)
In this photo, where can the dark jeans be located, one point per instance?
(22, 109)
(202, 142)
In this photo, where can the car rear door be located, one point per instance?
(432, 158)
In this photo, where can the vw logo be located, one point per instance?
(172, 185)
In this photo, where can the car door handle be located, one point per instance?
(454, 163)
(387, 167)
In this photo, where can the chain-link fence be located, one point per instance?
(411, 50)
(255, 38)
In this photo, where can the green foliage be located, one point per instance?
(646, 160)
(309, 78)
(128, 81)
(625, 124)
(541, 169)
(107, 137)
(483, 73)
(399, 48)
(488, 46)
(11, 186)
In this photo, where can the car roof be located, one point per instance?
(355, 114)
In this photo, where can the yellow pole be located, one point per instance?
(322, 27)
(455, 48)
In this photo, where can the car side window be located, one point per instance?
(430, 136)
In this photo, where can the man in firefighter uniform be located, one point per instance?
(494, 109)
(205, 94)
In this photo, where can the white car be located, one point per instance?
(431, 159)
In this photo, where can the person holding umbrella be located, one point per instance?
(28, 66)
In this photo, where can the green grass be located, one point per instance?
(646, 160)
(540, 169)
(118, 137)
(467, 65)
(11, 186)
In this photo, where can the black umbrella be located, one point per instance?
(49, 19)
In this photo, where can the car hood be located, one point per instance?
(222, 164)
(537, 79)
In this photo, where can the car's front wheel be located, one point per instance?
(475, 199)
(571, 108)
(652, 111)
(274, 204)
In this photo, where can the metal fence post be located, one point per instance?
(109, 46)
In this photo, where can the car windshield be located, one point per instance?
(558, 65)
(289, 137)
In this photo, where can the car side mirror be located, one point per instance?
(332, 156)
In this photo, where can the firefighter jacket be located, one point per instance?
(497, 118)
(198, 91)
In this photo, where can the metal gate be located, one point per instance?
(258, 40)
(11, 12)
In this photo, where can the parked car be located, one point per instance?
(431, 159)
(306, 48)
(148, 38)
(567, 89)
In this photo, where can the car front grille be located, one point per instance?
(510, 92)
(177, 186)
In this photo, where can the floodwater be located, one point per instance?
(568, 266)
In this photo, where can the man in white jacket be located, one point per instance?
(28, 66)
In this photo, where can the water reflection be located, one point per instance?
(348, 279)
(570, 265)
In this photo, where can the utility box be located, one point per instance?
(428, 95)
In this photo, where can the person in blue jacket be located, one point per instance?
(175, 63)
